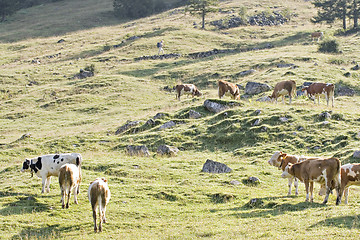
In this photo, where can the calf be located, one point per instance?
(228, 87)
(317, 36)
(49, 165)
(69, 180)
(326, 171)
(187, 89)
(99, 195)
(284, 88)
(281, 160)
(350, 175)
(315, 90)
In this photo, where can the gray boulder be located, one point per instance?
(194, 115)
(167, 125)
(138, 150)
(167, 150)
(211, 166)
(126, 126)
(356, 154)
(214, 106)
(253, 88)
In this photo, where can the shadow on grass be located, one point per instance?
(23, 204)
(268, 207)
(54, 231)
(350, 222)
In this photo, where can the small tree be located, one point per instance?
(202, 8)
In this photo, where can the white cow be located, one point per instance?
(49, 165)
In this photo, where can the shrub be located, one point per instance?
(329, 46)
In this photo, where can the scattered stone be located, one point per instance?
(251, 181)
(325, 115)
(150, 122)
(264, 128)
(245, 73)
(159, 116)
(356, 154)
(167, 150)
(234, 182)
(253, 88)
(214, 106)
(127, 126)
(347, 74)
(166, 125)
(255, 202)
(36, 61)
(286, 65)
(61, 41)
(155, 57)
(324, 123)
(257, 112)
(194, 115)
(169, 89)
(300, 128)
(211, 166)
(263, 19)
(132, 38)
(264, 99)
(342, 90)
(83, 74)
(356, 67)
(257, 122)
(283, 119)
(138, 150)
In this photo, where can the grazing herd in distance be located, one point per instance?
(281, 89)
(67, 167)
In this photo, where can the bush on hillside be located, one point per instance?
(329, 46)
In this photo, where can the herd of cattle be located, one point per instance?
(281, 89)
(67, 167)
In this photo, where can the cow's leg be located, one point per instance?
(43, 184)
(296, 184)
(68, 198)
(94, 217)
(75, 194)
(101, 219)
(328, 189)
(63, 197)
(307, 189)
(48, 181)
(311, 191)
(290, 181)
(332, 100)
(290, 99)
(346, 194)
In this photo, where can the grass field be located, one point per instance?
(169, 197)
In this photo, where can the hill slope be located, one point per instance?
(44, 109)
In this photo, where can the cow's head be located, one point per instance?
(198, 93)
(277, 158)
(26, 166)
(286, 171)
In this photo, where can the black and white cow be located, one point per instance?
(49, 165)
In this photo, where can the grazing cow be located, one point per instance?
(187, 89)
(317, 36)
(281, 160)
(350, 175)
(324, 171)
(99, 195)
(49, 165)
(315, 90)
(228, 87)
(284, 88)
(69, 180)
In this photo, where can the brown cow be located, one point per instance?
(69, 180)
(315, 90)
(350, 175)
(325, 171)
(284, 88)
(317, 36)
(281, 160)
(99, 196)
(187, 89)
(228, 87)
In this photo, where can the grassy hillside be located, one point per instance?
(45, 110)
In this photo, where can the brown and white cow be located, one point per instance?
(323, 171)
(228, 88)
(69, 180)
(281, 160)
(315, 90)
(350, 175)
(317, 36)
(187, 89)
(99, 195)
(282, 89)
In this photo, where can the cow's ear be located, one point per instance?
(104, 179)
(283, 155)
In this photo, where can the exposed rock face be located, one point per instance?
(341, 90)
(138, 150)
(83, 74)
(194, 115)
(356, 154)
(211, 166)
(253, 88)
(214, 106)
(167, 125)
(167, 150)
(126, 126)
